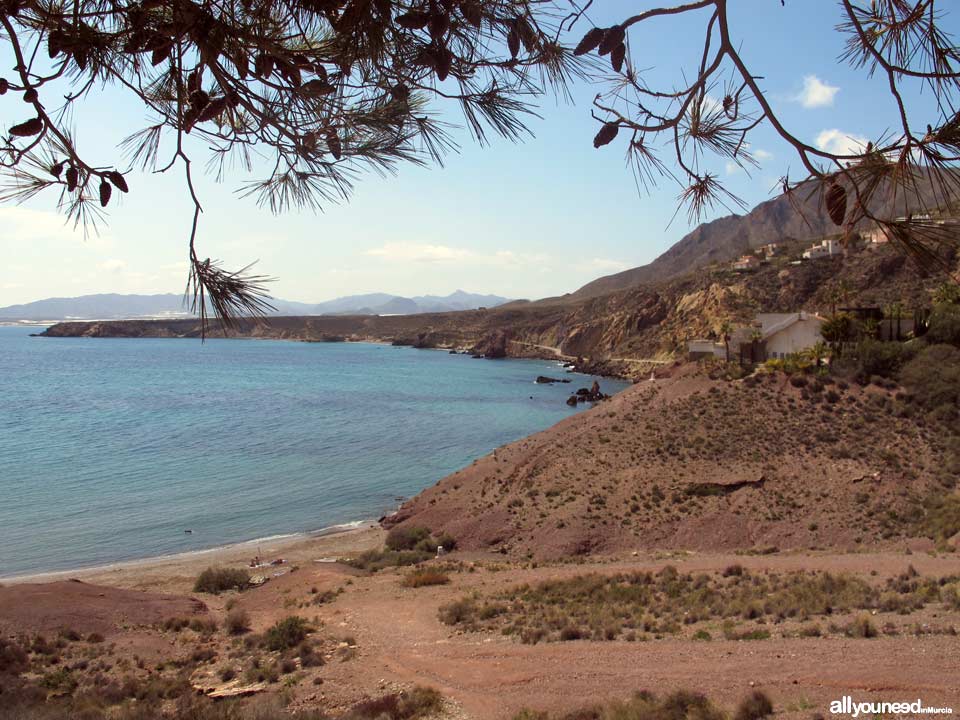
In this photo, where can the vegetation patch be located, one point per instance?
(637, 605)
(420, 702)
(287, 633)
(424, 577)
(678, 705)
(215, 580)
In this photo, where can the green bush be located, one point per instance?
(942, 520)
(874, 358)
(945, 325)
(217, 580)
(409, 538)
(933, 379)
(286, 633)
(373, 560)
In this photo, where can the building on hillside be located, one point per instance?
(770, 250)
(701, 348)
(746, 263)
(825, 248)
(771, 336)
(874, 236)
(783, 334)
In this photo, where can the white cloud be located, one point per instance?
(23, 224)
(840, 143)
(816, 93)
(445, 254)
(762, 155)
(112, 265)
(418, 252)
(608, 265)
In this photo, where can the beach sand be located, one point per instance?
(177, 573)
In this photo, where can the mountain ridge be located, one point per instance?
(117, 306)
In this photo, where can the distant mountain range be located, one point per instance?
(170, 305)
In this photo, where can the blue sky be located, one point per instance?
(527, 220)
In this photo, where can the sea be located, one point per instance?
(111, 449)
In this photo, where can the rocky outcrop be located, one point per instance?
(494, 344)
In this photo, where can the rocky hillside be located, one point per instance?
(689, 462)
(610, 333)
(782, 219)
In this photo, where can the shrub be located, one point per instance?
(875, 358)
(754, 707)
(933, 378)
(447, 542)
(459, 611)
(942, 520)
(218, 580)
(373, 560)
(570, 632)
(13, 658)
(409, 538)
(420, 702)
(421, 578)
(862, 627)
(237, 622)
(945, 325)
(308, 656)
(286, 633)
(950, 596)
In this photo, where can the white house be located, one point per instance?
(825, 248)
(746, 262)
(789, 333)
(772, 336)
(874, 236)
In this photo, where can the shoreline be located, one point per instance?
(348, 537)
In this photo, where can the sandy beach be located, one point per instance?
(176, 573)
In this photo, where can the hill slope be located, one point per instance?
(782, 219)
(688, 462)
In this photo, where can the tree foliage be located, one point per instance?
(323, 89)
(714, 111)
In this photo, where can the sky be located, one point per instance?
(528, 220)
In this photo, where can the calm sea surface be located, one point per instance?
(111, 448)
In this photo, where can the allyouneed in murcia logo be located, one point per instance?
(847, 706)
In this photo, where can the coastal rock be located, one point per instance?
(493, 345)
(594, 394)
(545, 380)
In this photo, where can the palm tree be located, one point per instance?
(894, 310)
(756, 337)
(724, 331)
(818, 352)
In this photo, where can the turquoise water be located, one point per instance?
(111, 448)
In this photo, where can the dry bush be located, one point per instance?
(218, 580)
(425, 577)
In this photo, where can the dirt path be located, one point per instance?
(491, 676)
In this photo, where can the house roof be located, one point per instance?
(778, 322)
